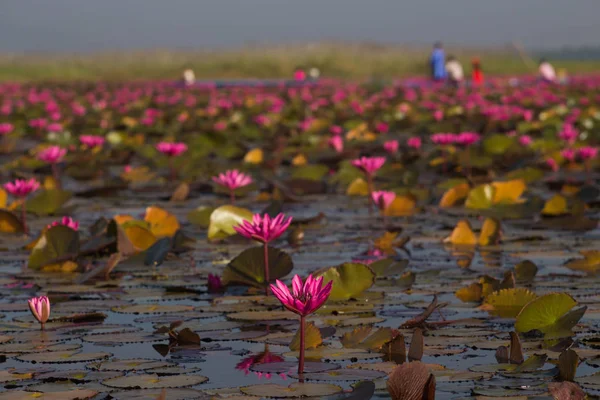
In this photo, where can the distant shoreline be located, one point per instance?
(337, 60)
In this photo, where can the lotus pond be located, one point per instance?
(458, 229)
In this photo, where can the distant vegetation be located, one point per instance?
(358, 61)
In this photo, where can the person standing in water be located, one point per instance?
(455, 72)
(437, 62)
(476, 72)
(546, 71)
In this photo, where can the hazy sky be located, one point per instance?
(87, 25)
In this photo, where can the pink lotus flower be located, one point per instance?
(438, 115)
(443, 139)
(414, 142)
(40, 309)
(22, 187)
(525, 140)
(552, 164)
(264, 228)
(66, 221)
(369, 165)
(170, 149)
(336, 143)
(52, 154)
(336, 130)
(92, 141)
(38, 123)
(467, 138)
(232, 180)
(383, 199)
(568, 133)
(214, 284)
(382, 127)
(6, 128)
(220, 126)
(304, 299)
(54, 127)
(391, 146)
(587, 152)
(568, 154)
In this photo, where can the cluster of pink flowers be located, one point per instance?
(463, 139)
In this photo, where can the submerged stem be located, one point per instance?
(232, 196)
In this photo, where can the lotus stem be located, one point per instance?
(173, 171)
(266, 251)
(56, 176)
(23, 218)
(43, 324)
(370, 188)
(232, 196)
(302, 339)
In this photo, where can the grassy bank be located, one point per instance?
(343, 61)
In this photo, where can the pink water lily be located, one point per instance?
(414, 142)
(383, 199)
(66, 221)
(467, 138)
(568, 154)
(587, 152)
(6, 128)
(336, 143)
(40, 309)
(391, 146)
(214, 284)
(264, 229)
(443, 139)
(172, 149)
(304, 299)
(232, 179)
(525, 140)
(369, 165)
(21, 188)
(92, 141)
(52, 154)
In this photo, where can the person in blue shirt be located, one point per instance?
(437, 62)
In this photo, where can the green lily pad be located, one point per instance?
(312, 172)
(201, 216)
(547, 314)
(55, 244)
(497, 144)
(48, 202)
(349, 280)
(480, 197)
(224, 218)
(248, 267)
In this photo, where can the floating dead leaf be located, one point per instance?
(358, 187)
(507, 303)
(181, 193)
(454, 195)
(162, 223)
(295, 390)
(557, 205)
(153, 381)
(312, 338)
(462, 235)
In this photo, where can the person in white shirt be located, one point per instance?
(455, 71)
(546, 71)
(189, 78)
